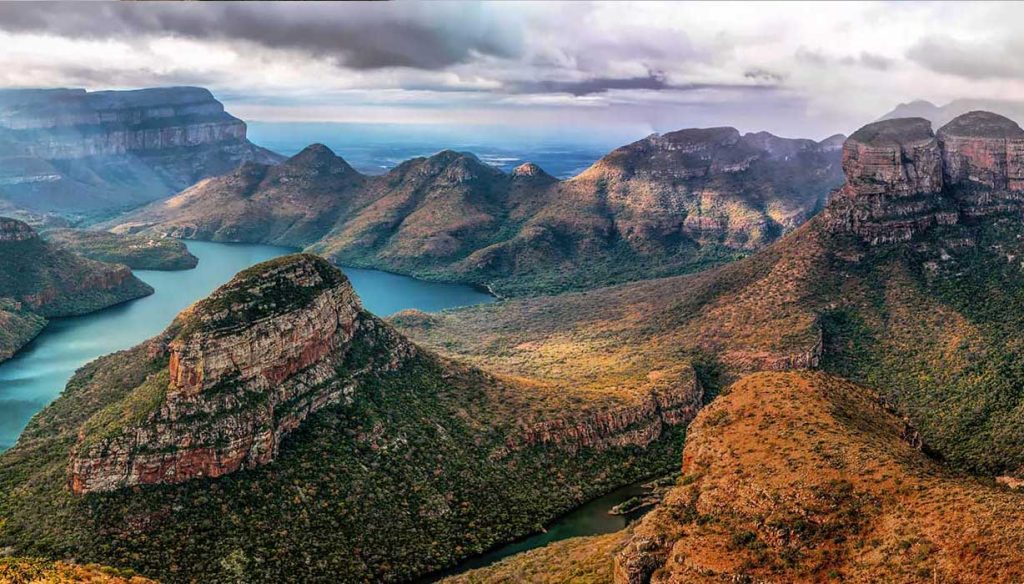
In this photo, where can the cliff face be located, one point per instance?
(245, 367)
(72, 150)
(902, 179)
(667, 204)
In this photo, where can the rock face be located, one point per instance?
(902, 179)
(72, 151)
(245, 367)
(665, 204)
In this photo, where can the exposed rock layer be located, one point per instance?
(902, 179)
(70, 150)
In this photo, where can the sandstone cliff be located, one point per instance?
(69, 150)
(902, 179)
(666, 204)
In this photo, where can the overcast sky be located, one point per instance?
(793, 69)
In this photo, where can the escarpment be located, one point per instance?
(902, 179)
(244, 368)
(73, 151)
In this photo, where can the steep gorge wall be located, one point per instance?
(902, 179)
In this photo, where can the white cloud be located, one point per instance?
(792, 68)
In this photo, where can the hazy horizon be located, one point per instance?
(792, 69)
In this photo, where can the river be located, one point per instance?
(38, 373)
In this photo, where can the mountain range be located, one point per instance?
(666, 204)
(71, 151)
(863, 419)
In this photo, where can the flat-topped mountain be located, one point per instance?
(73, 151)
(276, 418)
(39, 280)
(662, 205)
(902, 178)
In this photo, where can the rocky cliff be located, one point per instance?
(70, 150)
(665, 204)
(245, 367)
(903, 179)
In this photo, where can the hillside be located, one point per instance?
(278, 431)
(136, 252)
(39, 280)
(663, 205)
(800, 477)
(75, 152)
(909, 282)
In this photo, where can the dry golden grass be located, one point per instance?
(804, 477)
(31, 571)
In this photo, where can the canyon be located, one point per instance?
(667, 204)
(71, 151)
(280, 379)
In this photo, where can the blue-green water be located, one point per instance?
(37, 374)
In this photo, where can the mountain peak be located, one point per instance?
(894, 132)
(281, 285)
(982, 124)
(319, 158)
(529, 170)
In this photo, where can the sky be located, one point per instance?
(795, 69)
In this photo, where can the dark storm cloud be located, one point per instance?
(359, 36)
(969, 60)
(764, 76)
(653, 81)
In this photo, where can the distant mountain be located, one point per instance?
(72, 151)
(940, 116)
(663, 205)
(39, 280)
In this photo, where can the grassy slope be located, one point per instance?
(35, 571)
(136, 252)
(802, 477)
(939, 337)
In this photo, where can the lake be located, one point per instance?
(38, 373)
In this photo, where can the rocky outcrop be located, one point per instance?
(72, 150)
(14, 230)
(244, 368)
(901, 179)
(637, 425)
(51, 281)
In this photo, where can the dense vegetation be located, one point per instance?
(401, 481)
(135, 251)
